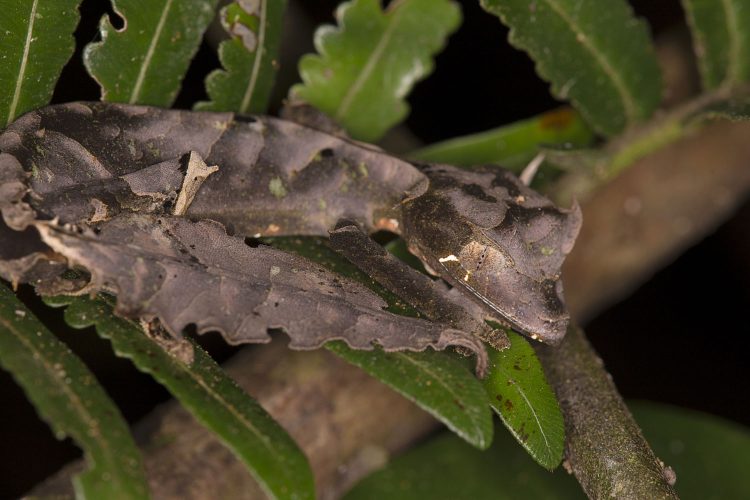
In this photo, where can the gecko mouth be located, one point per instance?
(550, 329)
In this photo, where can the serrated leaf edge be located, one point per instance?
(631, 110)
(72, 396)
(209, 391)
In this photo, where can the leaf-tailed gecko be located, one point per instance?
(105, 185)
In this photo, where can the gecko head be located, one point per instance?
(499, 240)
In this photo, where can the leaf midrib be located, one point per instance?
(522, 393)
(448, 388)
(258, 57)
(237, 414)
(628, 102)
(136, 93)
(22, 69)
(75, 402)
(369, 67)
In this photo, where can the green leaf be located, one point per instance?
(145, 61)
(437, 382)
(721, 39)
(369, 63)
(37, 42)
(513, 145)
(68, 397)
(709, 454)
(212, 398)
(596, 54)
(249, 57)
(520, 395)
(445, 468)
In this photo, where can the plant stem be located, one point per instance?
(592, 169)
(604, 446)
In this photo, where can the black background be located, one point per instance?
(682, 338)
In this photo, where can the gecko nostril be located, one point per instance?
(481, 259)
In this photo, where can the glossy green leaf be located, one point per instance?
(519, 393)
(710, 455)
(369, 63)
(513, 145)
(145, 61)
(210, 396)
(37, 41)
(437, 382)
(445, 468)
(595, 54)
(721, 39)
(69, 398)
(249, 57)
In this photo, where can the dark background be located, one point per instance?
(682, 338)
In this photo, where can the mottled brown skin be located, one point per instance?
(483, 231)
(487, 233)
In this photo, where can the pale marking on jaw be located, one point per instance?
(453, 258)
(450, 258)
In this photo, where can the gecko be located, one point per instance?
(80, 166)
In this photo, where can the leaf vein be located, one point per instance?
(229, 406)
(533, 412)
(628, 102)
(136, 93)
(24, 60)
(258, 57)
(434, 375)
(364, 75)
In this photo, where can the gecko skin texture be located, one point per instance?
(97, 169)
